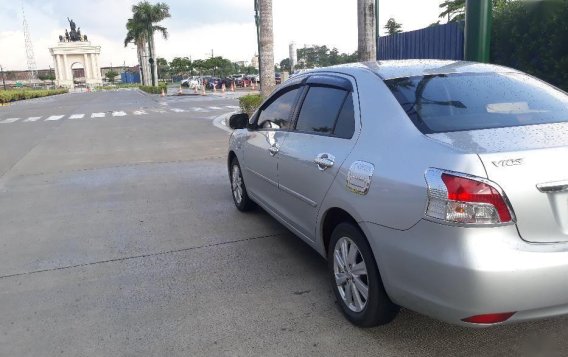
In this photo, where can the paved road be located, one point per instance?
(118, 237)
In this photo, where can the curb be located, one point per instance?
(221, 121)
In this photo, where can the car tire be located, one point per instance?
(354, 273)
(238, 189)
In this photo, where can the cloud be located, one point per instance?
(196, 26)
(230, 40)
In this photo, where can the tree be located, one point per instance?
(111, 75)
(181, 66)
(518, 41)
(454, 10)
(321, 56)
(147, 16)
(163, 68)
(137, 35)
(285, 65)
(367, 44)
(46, 77)
(393, 27)
(266, 55)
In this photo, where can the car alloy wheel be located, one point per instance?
(237, 184)
(351, 275)
(238, 188)
(356, 280)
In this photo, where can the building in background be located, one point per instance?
(254, 61)
(293, 56)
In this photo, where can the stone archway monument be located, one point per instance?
(74, 47)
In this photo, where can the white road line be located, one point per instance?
(198, 109)
(139, 112)
(232, 106)
(215, 108)
(158, 110)
(177, 110)
(98, 115)
(9, 120)
(54, 117)
(119, 113)
(32, 119)
(77, 116)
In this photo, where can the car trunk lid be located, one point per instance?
(528, 163)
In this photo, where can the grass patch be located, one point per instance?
(249, 103)
(117, 86)
(12, 95)
(154, 90)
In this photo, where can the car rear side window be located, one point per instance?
(320, 110)
(277, 114)
(470, 101)
(345, 126)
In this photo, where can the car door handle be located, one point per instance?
(324, 161)
(273, 150)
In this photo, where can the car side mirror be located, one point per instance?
(238, 121)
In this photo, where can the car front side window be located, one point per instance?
(277, 115)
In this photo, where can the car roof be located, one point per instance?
(419, 67)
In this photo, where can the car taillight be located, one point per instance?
(465, 199)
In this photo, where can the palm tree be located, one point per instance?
(266, 55)
(367, 48)
(137, 35)
(146, 16)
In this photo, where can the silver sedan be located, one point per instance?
(438, 186)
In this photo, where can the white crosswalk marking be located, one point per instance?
(232, 106)
(98, 115)
(77, 116)
(177, 110)
(158, 110)
(9, 120)
(198, 109)
(54, 117)
(119, 113)
(32, 119)
(215, 108)
(139, 112)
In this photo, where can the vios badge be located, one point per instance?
(507, 163)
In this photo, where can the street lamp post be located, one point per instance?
(3, 81)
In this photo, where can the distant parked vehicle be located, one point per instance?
(191, 82)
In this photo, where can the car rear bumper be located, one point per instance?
(452, 273)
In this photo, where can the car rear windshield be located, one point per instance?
(470, 101)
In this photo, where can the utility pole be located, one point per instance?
(367, 44)
(478, 21)
(3, 81)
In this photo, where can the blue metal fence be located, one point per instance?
(436, 42)
(130, 77)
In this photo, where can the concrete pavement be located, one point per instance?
(118, 236)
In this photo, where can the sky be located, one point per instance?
(196, 28)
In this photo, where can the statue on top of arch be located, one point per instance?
(74, 35)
